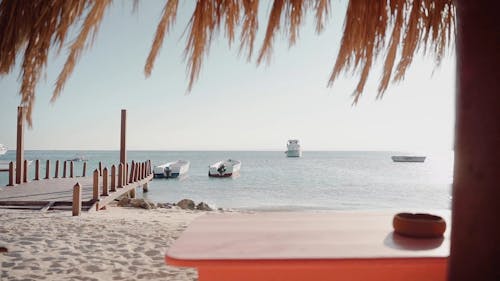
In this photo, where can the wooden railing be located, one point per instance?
(107, 187)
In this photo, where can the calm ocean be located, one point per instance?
(320, 180)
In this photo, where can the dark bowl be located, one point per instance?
(419, 225)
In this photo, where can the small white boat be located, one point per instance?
(224, 169)
(78, 158)
(408, 158)
(293, 149)
(3, 149)
(171, 169)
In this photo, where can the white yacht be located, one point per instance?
(224, 169)
(171, 169)
(3, 149)
(293, 148)
(405, 158)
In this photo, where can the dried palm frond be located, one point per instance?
(168, 18)
(31, 28)
(428, 24)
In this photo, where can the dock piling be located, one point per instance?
(37, 170)
(25, 171)
(47, 169)
(64, 169)
(77, 201)
(105, 182)
(120, 175)
(113, 178)
(84, 172)
(71, 166)
(12, 174)
(95, 189)
(56, 173)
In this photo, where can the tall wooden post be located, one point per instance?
(100, 168)
(56, 173)
(123, 139)
(71, 166)
(475, 235)
(77, 199)
(37, 169)
(20, 145)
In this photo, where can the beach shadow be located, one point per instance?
(400, 242)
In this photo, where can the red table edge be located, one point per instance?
(303, 262)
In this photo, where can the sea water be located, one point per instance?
(268, 180)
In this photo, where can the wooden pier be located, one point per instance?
(74, 193)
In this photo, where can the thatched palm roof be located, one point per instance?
(389, 29)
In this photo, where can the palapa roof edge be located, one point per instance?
(372, 29)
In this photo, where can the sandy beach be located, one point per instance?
(114, 244)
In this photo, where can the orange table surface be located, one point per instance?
(308, 246)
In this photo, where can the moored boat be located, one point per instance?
(78, 158)
(405, 158)
(224, 169)
(3, 149)
(293, 148)
(171, 169)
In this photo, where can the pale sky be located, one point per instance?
(235, 105)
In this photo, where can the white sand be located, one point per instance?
(115, 244)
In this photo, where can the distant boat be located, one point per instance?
(408, 158)
(78, 158)
(224, 169)
(171, 169)
(3, 149)
(293, 149)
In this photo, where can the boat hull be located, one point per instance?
(230, 168)
(294, 153)
(418, 159)
(171, 170)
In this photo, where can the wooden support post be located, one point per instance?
(95, 189)
(125, 174)
(64, 169)
(145, 187)
(37, 169)
(20, 145)
(475, 234)
(47, 169)
(77, 199)
(84, 172)
(105, 182)
(120, 175)
(56, 173)
(113, 178)
(100, 168)
(25, 171)
(12, 174)
(71, 166)
(136, 172)
(123, 140)
(132, 169)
